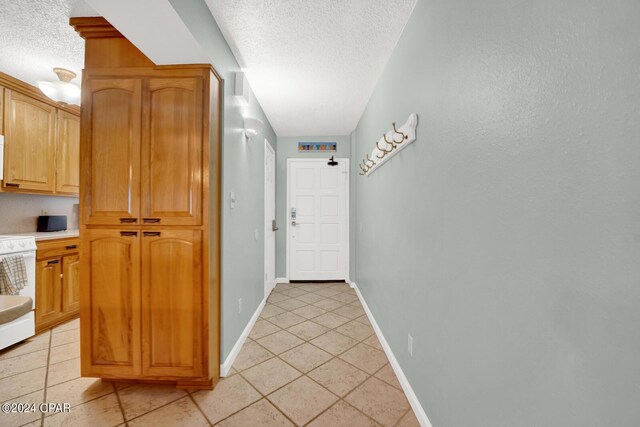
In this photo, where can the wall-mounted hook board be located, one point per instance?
(390, 144)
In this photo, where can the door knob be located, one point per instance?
(274, 226)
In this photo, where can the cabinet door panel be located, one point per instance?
(48, 291)
(70, 283)
(68, 154)
(110, 151)
(30, 132)
(172, 303)
(172, 163)
(110, 303)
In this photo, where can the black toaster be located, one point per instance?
(52, 223)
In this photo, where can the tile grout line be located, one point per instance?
(46, 377)
(200, 409)
(124, 416)
(403, 415)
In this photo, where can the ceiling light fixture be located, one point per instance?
(252, 126)
(62, 91)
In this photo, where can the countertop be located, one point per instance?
(40, 236)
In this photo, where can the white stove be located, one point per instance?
(13, 244)
(24, 326)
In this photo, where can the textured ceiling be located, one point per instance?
(35, 37)
(312, 64)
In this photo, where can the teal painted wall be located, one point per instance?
(506, 239)
(288, 149)
(242, 173)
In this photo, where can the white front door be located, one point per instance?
(317, 219)
(269, 218)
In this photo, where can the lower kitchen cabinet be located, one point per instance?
(57, 282)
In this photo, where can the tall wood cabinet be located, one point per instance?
(149, 200)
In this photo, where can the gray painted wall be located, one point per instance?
(19, 212)
(242, 173)
(506, 239)
(288, 149)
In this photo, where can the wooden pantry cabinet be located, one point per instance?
(57, 282)
(143, 156)
(41, 141)
(150, 221)
(156, 278)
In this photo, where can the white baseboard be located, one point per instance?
(228, 362)
(282, 280)
(404, 382)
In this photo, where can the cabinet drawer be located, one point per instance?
(56, 248)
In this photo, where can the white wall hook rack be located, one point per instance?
(390, 144)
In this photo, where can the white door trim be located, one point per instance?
(269, 284)
(347, 203)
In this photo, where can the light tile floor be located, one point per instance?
(312, 359)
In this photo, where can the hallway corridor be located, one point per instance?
(312, 358)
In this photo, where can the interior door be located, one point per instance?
(317, 219)
(269, 218)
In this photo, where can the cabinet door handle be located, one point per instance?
(151, 220)
(128, 233)
(151, 233)
(54, 261)
(72, 246)
(12, 184)
(128, 220)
